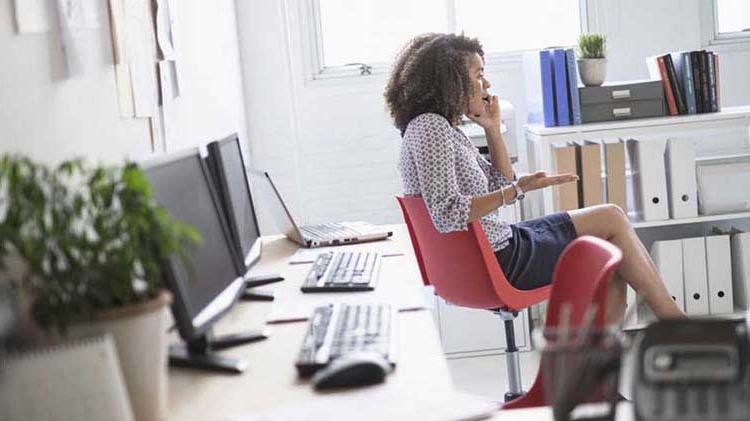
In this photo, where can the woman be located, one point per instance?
(436, 79)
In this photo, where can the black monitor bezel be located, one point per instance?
(215, 149)
(187, 329)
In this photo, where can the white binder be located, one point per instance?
(681, 184)
(667, 256)
(649, 179)
(741, 269)
(694, 273)
(631, 318)
(719, 270)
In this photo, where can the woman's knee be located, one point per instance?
(613, 214)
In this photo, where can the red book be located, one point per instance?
(668, 94)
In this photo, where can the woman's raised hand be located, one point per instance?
(540, 180)
(490, 117)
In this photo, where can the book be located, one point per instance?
(718, 79)
(540, 91)
(684, 71)
(575, 99)
(695, 64)
(562, 96)
(674, 82)
(658, 71)
(712, 82)
(705, 99)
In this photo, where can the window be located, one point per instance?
(359, 36)
(732, 19)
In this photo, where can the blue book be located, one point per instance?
(560, 77)
(540, 91)
(575, 101)
(685, 76)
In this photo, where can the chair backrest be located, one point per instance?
(461, 265)
(581, 279)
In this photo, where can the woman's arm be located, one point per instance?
(499, 151)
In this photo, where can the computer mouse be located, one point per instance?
(355, 369)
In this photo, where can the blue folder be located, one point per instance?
(548, 88)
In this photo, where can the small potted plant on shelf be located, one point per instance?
(87, 246)
(592, 64)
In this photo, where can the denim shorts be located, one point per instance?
(532, 252)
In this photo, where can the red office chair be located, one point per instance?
(581, 277)
(464, 271)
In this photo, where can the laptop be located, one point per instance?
(328, 234)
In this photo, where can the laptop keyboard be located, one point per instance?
(338, 329)
(329, 231)
(342, 271)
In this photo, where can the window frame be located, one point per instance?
(312, 42)
(710, 29)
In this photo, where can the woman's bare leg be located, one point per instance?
(610, 223)
(616, 300)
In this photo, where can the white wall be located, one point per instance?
(331, 145)
(52, 118)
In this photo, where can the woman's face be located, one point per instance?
(479, 86)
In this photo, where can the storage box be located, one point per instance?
(620, 101)
(722, 184)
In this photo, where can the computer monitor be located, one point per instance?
(228, 171)
(205, 282)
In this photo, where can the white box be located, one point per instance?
(723, 184)
(719, 270)
(694, 274)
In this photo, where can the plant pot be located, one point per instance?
(140, 334)
(592, 70)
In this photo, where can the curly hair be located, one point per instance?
(430, 74)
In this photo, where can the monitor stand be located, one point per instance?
(197, 353)
(250, 294)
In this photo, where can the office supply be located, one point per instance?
(575, 100)
(741, 270)
(332, 233)
(79, 380)
(337, 330)
(343, 271)
(353, 369)
(722, 184)
(681, 184)
(562, 96)
(205, 283)
(667, 256)
(692, 370)
(719, 272)
(305, 256)
(614, 161)
(589, 169)
(694, 275)
(225, 160)
(621, 101)
(649, 178)
(456, 266)
(566, 195)
(540, 87)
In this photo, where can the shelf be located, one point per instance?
(728, 113)
(736, 315)
(699, 219)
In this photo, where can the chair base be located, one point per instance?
(509, 396)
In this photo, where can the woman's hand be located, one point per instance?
(490, 117)
(540, 180)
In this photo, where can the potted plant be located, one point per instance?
(91, 244)
(592, 64)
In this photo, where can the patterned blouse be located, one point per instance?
(440, 163)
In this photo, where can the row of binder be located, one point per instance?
(662, 171)
(704, 275)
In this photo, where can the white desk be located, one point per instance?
(624, 413)
(271, 379)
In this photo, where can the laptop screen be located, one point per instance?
(272, 205)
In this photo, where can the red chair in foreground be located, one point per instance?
(581, 277)
(464, 271)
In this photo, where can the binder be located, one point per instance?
(681, 184)
(668, 258)
(575, 100)
(614, 161)
(631, 317)
(694, 273)
(540, 91)
(562, 97)
(741, 269)
(564, 161)
(719, 271)
(589, 170)
(649, 179)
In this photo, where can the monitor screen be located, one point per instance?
(206, 282)
(237, 192)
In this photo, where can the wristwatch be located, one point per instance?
(519, 192)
